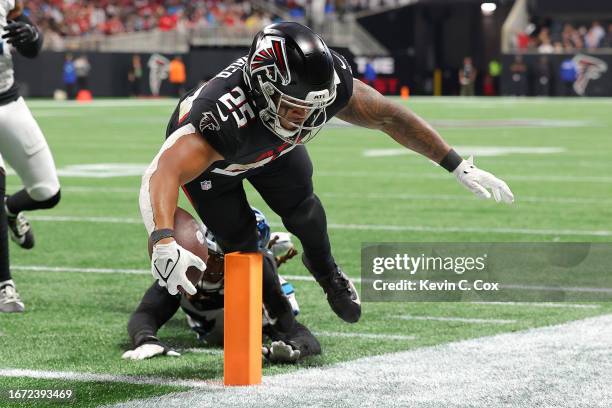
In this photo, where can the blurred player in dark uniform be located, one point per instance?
(23, 146)
(204, 310)
(250, 122)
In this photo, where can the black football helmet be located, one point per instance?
(289, 67)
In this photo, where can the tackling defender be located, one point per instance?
(23, 146)
(204, 310)
(251, 122)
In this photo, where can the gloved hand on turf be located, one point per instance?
(169, 263)
(280, 352)
(479, 182)
(19, 33)
(151, 348)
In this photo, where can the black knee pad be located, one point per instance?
(51, 202)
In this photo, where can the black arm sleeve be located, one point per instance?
(155, 309)
(31, 49)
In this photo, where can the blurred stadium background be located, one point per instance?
(517, 47)
(554, 153)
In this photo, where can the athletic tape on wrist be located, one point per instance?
(451, 161)
(160, 234)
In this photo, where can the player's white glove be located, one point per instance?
(479, 182)
(169, 264)
(280, 243)
(149, 350)
(280, 352)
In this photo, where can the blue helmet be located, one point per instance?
(263, 228)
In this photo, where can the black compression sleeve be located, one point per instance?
(32, 49)
(155, 309)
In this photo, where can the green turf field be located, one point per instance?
(79, 295)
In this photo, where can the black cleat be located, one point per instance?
(341, 294)
(20, 230)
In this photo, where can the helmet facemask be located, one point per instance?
(294, 129)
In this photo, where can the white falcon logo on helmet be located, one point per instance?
(271, 57)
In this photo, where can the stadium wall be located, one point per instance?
(109, 71)
(594, 76)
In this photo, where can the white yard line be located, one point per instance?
(442, 176)
(568, 365)
(462, 197)
(457, 319)
(101, 103)
(306, 278)
(382, 196)
(94, 377)
(40, 268)
(359, 227)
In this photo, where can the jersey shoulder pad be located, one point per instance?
(344, 84)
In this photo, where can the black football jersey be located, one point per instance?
(223, 112)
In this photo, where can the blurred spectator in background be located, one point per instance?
(595, 35)
(568, 74)
(69, 76)
(177, 75)
(607, 42)
(82, 68)
(135, 75)
(467, 77)
(545, 46)
(369, 73)
(518, 70)
(495, 70)
(543, 77)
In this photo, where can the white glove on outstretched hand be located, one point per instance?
(169, 264)
(479, 181)
(149, 350)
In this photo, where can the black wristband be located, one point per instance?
(160, 234)
(451, 161)
(144, 337)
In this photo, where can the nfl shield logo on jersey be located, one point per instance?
(206, 185)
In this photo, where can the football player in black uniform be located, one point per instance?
(251, 122)
(204, 310)
(23, 146)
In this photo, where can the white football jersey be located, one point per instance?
(6, 60)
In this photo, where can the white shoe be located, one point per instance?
(10, 302)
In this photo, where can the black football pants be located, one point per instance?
(286, 186)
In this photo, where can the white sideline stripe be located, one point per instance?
(365, 335)
(212, 351)
(125, 379)
(457, 319)
(478, 151)
(359, 227)
(533, 304)
(567, 365)
(442, 176)
(124, 103)
(37, 268)
(368, 196)
(463, 197)
(107, 220)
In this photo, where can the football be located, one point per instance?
(189, 234)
